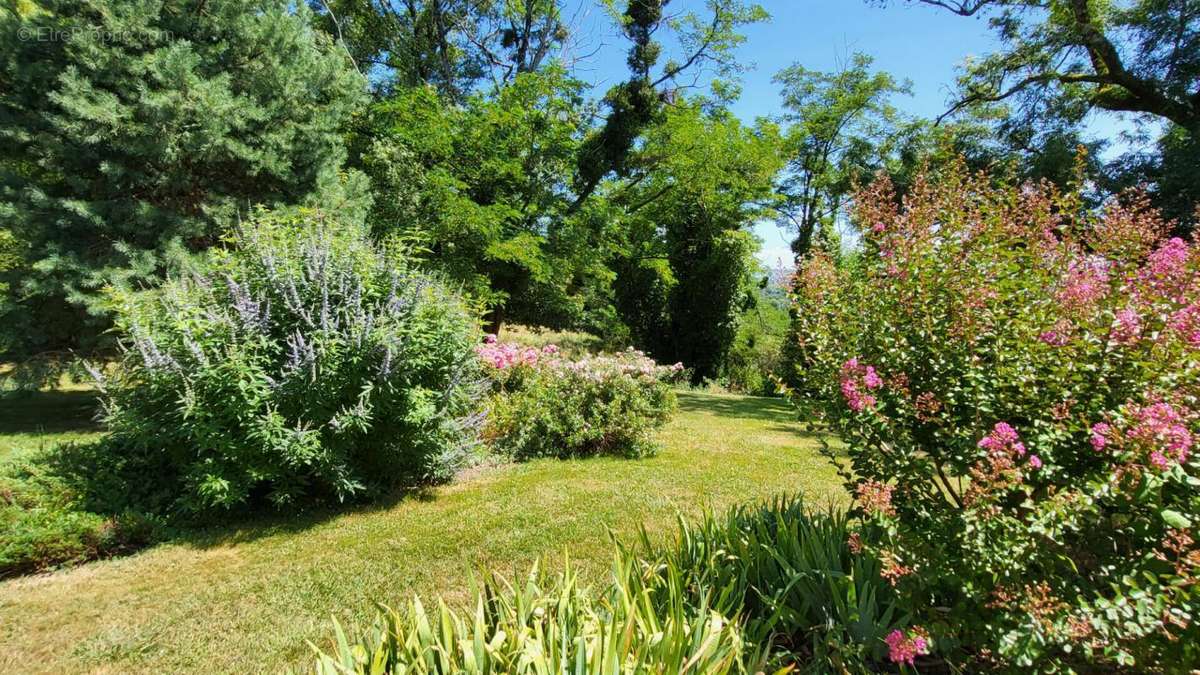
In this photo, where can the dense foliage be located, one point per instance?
(131, 134)
(756, 362)
(298, 363)
(767, 588)
(1016, 380)
(45, 523)
(685, 266)
(482, 187)
(793, 577)
(548, 406)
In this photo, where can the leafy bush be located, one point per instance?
(298, 363)
(597, 405)
(43, 523)
(1016, 380)
(571, 344)
(755, 360)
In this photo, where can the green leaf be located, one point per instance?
(1176, 519)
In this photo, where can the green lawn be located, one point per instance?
(245, 599)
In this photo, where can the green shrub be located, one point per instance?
(1016, 379)
(297, 363)
(571, 344)
(597, 405)
(755, 360)
(44, 525)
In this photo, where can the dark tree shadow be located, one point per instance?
(265, 522)
(48, 412)
(742, 407)
(778, 411)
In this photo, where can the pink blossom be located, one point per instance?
(1166, 269)
(1002, 436)
(871, 379)
(1054, 338)
(1186, 324)
(875, 497)
(1127, 326)
(1086, 283)
(905, 648)
(1168, 260)
(1161, 429)
(1100, 431)
(857, 382)
(502, 355)
(1003, 444)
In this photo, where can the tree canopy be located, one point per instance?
(135, 133)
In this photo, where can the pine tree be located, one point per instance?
(134, 132)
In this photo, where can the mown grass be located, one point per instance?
(246, 598)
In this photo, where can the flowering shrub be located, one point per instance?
(597, 405)
(1016, 380)
(508, 365)
(300, 362)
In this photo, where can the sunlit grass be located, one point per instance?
(246, 598)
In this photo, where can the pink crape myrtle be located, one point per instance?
(1015, 379)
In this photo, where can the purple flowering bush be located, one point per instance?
(549, 406)
(298, 362)
(1015, 378)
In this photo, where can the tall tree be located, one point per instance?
(1137, 56)
(841, 125)
(455, 45)
(634, 105)
(132, 132)
(687, 269)
(1060, 60)
(483, 187)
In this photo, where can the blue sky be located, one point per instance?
(914, 42)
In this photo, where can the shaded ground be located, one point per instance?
(40, 419)
(245, 599)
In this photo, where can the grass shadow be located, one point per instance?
(742, 407)
(54, 411)
(266, 522)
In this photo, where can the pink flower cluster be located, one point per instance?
(857, 382)
(1158, 432)
(504, 355)
(875, 497)
(1100, 432)
(1003, 443)
(1166, 269)
(1163, 430)
(1186, 324)
(1127, 326)
(631, 363)
(905, 647)
(1085, 285)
